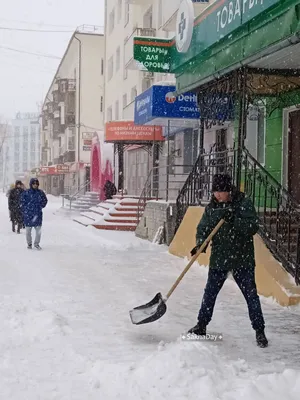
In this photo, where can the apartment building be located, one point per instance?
(72, 113)
(6, 173)
(124, 81)
(21, 148)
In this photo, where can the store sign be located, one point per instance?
(87, 145)
(88, 135)
(152, 54)
(160, 102)
(184, 25)
(62, 168)
(128, 131)
(54, 169)
(224, 16)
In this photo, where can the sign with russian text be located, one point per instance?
(152, 54)
(127, 131)
(159, 102)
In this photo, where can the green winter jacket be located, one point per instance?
(232, 246)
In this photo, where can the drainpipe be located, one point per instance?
(79, 108)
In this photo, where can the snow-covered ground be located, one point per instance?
(66, 333)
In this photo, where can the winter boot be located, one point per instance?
(261, 339)
(38, 247)
(198, 330)
(29, 247)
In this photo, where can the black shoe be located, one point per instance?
(261, 339)
(198, 330)
(29, 247)
(37, 246)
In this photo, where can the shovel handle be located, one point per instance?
(194, 258)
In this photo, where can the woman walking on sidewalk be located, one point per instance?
(14, 206)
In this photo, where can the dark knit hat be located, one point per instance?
(221, 183)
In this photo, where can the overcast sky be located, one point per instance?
(24, 78)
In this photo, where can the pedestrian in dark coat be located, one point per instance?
(110, 190)
(33, 201)
(14, 206)
(232, 250)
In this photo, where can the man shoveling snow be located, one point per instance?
(232, 251)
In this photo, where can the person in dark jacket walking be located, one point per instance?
(232, 250)
(14, 206)
(33, 201)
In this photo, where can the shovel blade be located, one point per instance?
(149, 312)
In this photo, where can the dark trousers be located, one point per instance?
(19, 226)
(245, 279)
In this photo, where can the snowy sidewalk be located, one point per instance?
(66, 333)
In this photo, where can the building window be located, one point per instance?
(102, 66)
(32, 146)
(32, 130)
(111, 21)
(126, 12)
(118, 56)
(101, 104)
(124, 100)
(117, 116)
(17, 131)
(256, 133)
(119, 10)
(125, 73)
(25, 130)
(109, 114)
(110, 67)
(133, 93)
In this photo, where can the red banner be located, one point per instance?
(127, 131)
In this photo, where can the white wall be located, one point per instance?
(89, 86)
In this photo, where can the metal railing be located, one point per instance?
(278, 211)
(82, 190)
(163, 183)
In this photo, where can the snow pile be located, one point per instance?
(185, 370)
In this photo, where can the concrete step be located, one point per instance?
(91, 215)
(98, 210)
(83, 221)
(132, 209)
(122, 214)
(115, 226)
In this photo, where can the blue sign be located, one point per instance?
(159, 102)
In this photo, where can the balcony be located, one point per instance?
(70, 120)
(130, 63)
(170, 13)
(69, 156)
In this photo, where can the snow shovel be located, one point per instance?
(156, 308)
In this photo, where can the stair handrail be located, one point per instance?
(149, 190)
(284, 191)
(75, 194)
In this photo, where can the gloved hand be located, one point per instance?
(196, 248)
(228, 215)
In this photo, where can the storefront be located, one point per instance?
(136, 147)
